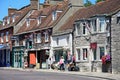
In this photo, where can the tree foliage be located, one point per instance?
(99, 1)
(0, 22)
(88, 3)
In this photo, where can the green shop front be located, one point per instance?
(18, 56)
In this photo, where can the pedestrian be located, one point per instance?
(69, 58)
(74, 60)
(61, 62)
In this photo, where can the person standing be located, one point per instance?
(61, 62)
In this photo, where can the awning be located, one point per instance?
(2, 47)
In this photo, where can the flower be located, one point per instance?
(106, 59)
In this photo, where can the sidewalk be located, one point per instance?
(87, 74)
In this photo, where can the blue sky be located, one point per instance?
(5, 4)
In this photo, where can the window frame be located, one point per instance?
(46, 36)
(38, 38)
(2, 37)
(7, 36)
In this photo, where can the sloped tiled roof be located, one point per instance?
(19, 15)
(105, 7)
(46, 22)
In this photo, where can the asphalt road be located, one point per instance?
(37, 75)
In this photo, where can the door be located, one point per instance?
(32, 57)
(16, 59)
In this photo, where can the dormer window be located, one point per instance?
(13, 18)
(8, 20)
(54, 15)
(28, 22)
(7, 34)
(4, 22)
(39, 20)
(2, 37)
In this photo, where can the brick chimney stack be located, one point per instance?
(53, 2)
(34, 4)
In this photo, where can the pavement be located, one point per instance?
(101, 75)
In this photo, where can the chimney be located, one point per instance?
(34, 4)
(76, 3)
(11, 11)
(46, 4)
(54, 2)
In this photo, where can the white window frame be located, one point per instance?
(83, 25)
(94, 25)
(77, 29)
(8, 20)
(57, 41)
(13, 18)
(4, 22)
(102, 24)
(7, 36)
(28, 22)
(80, 56)
(67, 40)
(38, 38)
(2, 37)
(16, 42)
(54, 15)
(39, 20)
(46, 36)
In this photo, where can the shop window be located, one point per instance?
(30, 44)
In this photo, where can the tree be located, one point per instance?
(88, 3)
(0, 22)
(99, 1)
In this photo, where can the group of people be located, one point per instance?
(70, 59)
(62, 62)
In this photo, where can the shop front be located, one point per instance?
(18, 56)
(4, 56)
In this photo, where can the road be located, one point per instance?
(37, 75)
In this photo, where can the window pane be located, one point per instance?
(78, 52)
(85, 54)
(101, 51)
(102, 25)
(95, 54)
(78, 29)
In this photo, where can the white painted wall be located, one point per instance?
(63, 42)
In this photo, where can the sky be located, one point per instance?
(5, 4)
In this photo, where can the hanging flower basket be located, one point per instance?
(106, 59)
